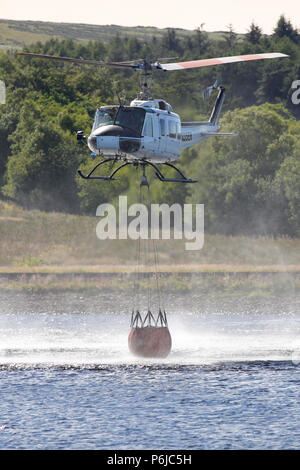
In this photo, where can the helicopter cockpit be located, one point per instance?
(117, 128)
(125, 120)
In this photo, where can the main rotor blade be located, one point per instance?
(169, 66)
(80, 61)
(219, 60)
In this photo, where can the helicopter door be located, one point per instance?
(163, 134)
(148, 135)
(172, 140)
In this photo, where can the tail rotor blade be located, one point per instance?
(208, 91)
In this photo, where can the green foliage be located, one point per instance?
(93, 193)
(249, 183)
(254, 34)
(41, 168)
(288, 177)
(230, 39)
(284, 28)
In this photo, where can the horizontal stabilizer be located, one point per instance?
(220, 133)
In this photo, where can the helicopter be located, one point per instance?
(148, 132)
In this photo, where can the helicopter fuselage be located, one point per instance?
(145, 130)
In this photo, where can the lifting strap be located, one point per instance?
(143, 257)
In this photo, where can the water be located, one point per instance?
(68, 381)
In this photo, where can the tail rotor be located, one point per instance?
(208, 91)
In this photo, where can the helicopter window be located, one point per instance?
(178, 130)
(130, 117)
(162, 105)
(105, 116)
(172, 129)
(148, 127)
(162, 127)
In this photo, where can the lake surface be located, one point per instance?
(68, 381)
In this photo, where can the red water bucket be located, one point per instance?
(150, 341)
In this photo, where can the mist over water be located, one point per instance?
(68, 380)
(93, 339)
(83, 330)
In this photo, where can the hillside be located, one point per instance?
(31, 238)
(17, 34)
(60, 252)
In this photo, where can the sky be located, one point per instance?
(187, 14)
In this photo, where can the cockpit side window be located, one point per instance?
(162, 124)
(131, 118)
(148, 126)
(178, 125)
(172, 129)
(105, 116)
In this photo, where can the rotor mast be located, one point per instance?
(145, 81)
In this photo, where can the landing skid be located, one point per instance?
(143, 163)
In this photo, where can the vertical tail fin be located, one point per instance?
(214, 118)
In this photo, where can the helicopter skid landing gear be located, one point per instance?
(159, 175)
(144, 163)
(90, 175)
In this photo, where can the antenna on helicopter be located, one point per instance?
(121, 95)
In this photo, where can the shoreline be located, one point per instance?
(247, 283)
(131, 269)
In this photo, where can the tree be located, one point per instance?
(230, 38)
(238, 176)
(115, 49)
(170, 42)
(8, 122)
(284, 28)
(41, 169)
(200, 40)
(273, 84)
(288, 177)
(254, 34)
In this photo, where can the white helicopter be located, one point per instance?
(148, 132)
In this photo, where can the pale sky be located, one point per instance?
(187, 14)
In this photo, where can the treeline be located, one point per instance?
(249, 184)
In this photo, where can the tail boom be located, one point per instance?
(195, 132)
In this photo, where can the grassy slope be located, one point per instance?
(19, 33)
(38, 241)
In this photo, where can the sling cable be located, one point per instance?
(149, 334)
